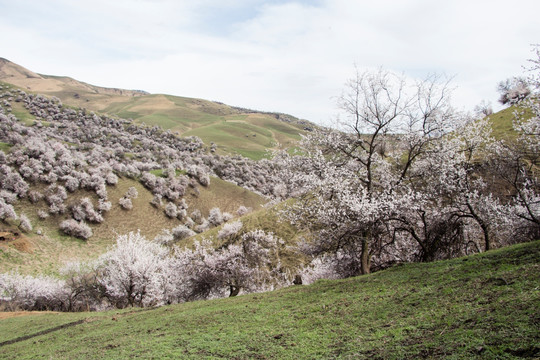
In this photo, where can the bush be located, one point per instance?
(181, 232)
(215, 218)
(7, 211)
(171, 210)
(242, 210)
(156, 201)
(25, 224)
(104, 205)
(125, 203)
(42, 214)
(23, 292)
(75, 228)
(132, 193)
(229, 230)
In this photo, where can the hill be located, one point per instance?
(235, 131)
(481, 306)
(66, 156)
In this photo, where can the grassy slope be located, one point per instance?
(501, 122)
(483, 306)
(232, 131)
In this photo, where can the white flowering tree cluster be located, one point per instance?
(138, 272)
(408, 179)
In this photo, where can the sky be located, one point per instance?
(272, 55)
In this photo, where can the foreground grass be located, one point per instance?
(483, 306)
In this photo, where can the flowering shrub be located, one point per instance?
(25, 224)
(229, 230)
(22, 292)
(75, 228)
(125, 203)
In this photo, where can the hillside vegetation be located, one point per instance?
(50, 141)
(234, 130)
(481, 306)
(46, 253)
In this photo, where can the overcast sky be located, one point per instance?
(275, 55)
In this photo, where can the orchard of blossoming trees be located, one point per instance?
(405, 178)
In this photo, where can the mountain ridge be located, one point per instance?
(16, 73)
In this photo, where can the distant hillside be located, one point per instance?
(478, 307)
(234, 130)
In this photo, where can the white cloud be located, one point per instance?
(288, 56)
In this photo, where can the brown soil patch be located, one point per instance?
(17, 239)
(23, 244)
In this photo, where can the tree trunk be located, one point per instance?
(365, 263)
(234, 290)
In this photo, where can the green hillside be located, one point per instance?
(502, 120)
(235, 131)
(483, 306)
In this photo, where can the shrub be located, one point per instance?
(91, 214)
(242, 210)
(7, 211)
(125, 203)
(132, 193)
(229, 230)
(215, 218)
(75, 228)
(227, 217)
(34, 196)
(181, 232)
(24, 292)
(25, 224)
(171, 210)
(196, 216)
(8, 196)
(111, 179)
(42, 214)
(104, 205)
(156, 201)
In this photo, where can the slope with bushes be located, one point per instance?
(55, 159)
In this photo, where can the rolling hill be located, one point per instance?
(234, 130)
(482, 306)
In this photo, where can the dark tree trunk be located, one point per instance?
(234, 290)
